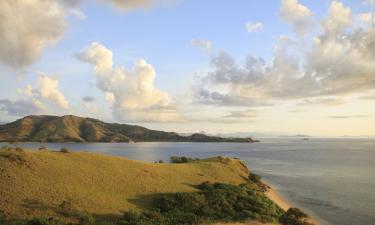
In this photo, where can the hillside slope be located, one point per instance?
(77, 129)
(36, 183)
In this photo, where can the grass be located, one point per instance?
(63, 187)
(67, 186)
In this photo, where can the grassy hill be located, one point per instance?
(36, 183)
(90, 189)
(78, 129)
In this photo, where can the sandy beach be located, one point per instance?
(284, 204)
(280, 201)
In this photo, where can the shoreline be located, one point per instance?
(277, 198)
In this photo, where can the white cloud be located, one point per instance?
(124, 5)
(339, 18)
(297, 14)
(110, 97)
(26, 28)
(134, 96)
(207, 46)
(366, 18)
(46, 88)
(254, 27)
(129, 4)
(338, 62)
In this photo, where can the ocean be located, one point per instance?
(331, 179)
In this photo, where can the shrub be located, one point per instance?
(255, 178)
(44, 221)
(215, 202)
(86, 219)
(183, 159)
(42, 148)
(64, 150)
(13, 156)
(295, 216)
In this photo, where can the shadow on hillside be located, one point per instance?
(144, 202)
(40, 208)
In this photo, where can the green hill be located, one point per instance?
(37, 183)
(78, 129)
(95, 189)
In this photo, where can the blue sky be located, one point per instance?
(161, 34)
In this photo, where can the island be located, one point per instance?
(78, 129)
(69, 187)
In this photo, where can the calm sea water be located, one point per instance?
(332, 179)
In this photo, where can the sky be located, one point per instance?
(272, 67)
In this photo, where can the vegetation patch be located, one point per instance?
(295, 216)
(182, 159)
(256, 179)
(64, 150)
(214, 203)
(13, 155)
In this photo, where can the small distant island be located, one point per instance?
(71, 128)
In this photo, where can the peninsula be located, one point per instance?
(57, 188)
(78, 129)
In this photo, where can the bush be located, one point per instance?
(44, 221)
(295, 216)
(214, 203)
(183, 159)
(13, 156)
(42, 148)
(255, 178)
(86, 219)
(64, 150)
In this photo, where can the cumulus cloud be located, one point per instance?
(133, 93)
(339, 18)
(203, 44)
(253, 26)
(26, 28)
(129, 4)
(19, 108)
(47, 88)
(338, 62)
(124, 5)
(296, 14)
(367, 18)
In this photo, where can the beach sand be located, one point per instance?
(280, 201)
(284, 204)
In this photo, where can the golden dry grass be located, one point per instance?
(98, 184)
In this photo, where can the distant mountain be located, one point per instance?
(77, 129)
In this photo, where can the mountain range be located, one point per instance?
(69, 128)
